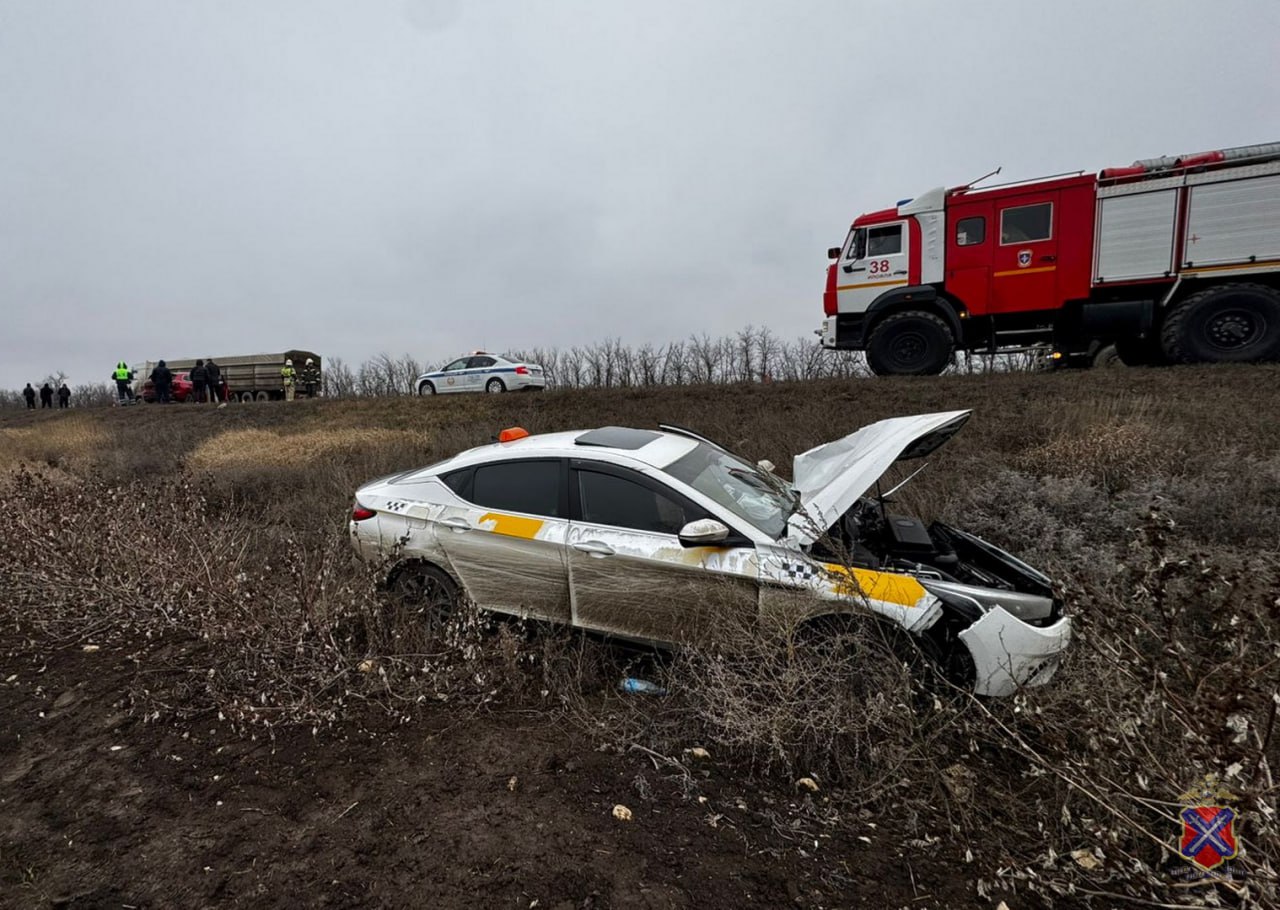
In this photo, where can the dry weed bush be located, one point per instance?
(262, 624)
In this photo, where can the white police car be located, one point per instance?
(647, 534)
(483, 372)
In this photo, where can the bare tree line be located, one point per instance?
(750, 355)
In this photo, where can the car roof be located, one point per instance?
(651, 447)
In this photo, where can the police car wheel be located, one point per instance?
(495, 386)
(426, 388)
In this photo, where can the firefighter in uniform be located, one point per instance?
(310, 378)
(289, 376)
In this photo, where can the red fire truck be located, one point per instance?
(1174, 260)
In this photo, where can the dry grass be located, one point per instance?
(75, 441)
(256, 449)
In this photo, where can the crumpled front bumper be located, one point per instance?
(1009, 653)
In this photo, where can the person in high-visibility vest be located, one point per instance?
(123, 377)
(289, 376)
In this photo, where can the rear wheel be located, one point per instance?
(1231, 323)
(495, 385)
(914, 343)
(427, 591)
(263, 396)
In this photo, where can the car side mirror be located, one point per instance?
(704, 532)
(833, 252)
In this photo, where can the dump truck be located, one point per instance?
(1171, 260)
(249, 377)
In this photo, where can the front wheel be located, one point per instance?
(426, 388)
(494, 386)
(1231, 323)
(914, 343)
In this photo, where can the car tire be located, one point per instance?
(246, 397)
(427, 591)
(914, 343)
(495, 386)
(1231, 323)
(426, 387)
(263, 396)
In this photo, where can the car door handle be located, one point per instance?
(900, 272)
(456, 524)
(594, 548)
(1048, 258)
(849, 268)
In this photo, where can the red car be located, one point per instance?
(179, 390)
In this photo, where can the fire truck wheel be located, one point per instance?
(914, 343)
(1231, 323)
(1107, 357)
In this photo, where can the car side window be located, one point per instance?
(456, 365)
(481, 362)
(532, 487)
(607, 499)
(459, 481)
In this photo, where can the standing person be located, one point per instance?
(198, 376)
(310, 378)
(123, 377)
(30, 394)
(162, 382)
(46, 396)
(213, 378)
(288, 376)
(64, 396)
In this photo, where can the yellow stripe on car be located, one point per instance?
(887, 587)
(512, 525)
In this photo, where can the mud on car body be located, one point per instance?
(634, 532)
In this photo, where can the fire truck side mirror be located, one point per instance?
(833, 252)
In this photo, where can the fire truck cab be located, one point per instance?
(1173, 260)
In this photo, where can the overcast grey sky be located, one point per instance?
(429, 176)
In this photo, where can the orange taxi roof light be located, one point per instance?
(511, 434)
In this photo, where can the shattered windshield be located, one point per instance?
(739, 487)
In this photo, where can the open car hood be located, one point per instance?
(832, 477)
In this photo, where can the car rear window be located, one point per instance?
(532, 487)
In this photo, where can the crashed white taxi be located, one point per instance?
(644, 534)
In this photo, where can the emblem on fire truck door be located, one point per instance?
(1024, 258)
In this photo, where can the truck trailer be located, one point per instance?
(249, 377)
(1172, 260)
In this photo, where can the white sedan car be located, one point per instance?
(644, 534)
(482, 372)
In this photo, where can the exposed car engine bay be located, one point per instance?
(965, 572)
